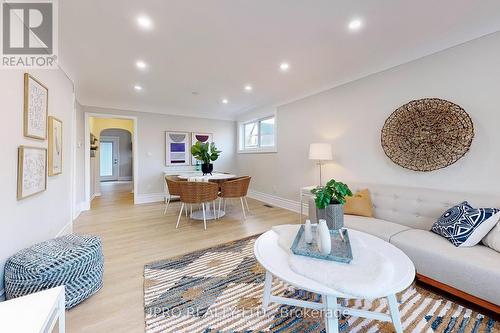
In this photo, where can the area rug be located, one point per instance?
(220, 290)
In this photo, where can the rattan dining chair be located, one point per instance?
(172, 183)
(197, 193)
(235, 188)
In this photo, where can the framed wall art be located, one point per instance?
(55, 146)
(177, 148)
(32, 171)
(202, 137)
(36, 101)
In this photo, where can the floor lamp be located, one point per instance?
(320, 152)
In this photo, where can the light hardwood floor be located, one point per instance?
(136, 235)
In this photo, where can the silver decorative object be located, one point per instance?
(340, 246)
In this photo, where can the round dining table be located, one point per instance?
(212, 177)
(215, 177)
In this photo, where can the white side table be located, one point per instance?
(35, 313)
(305, 192)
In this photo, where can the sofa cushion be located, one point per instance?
(379, 228)
(474, 270)
(466, 226)
(359, 204)
(492, 239)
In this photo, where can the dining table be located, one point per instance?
(214, 177)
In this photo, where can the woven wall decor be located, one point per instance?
(427, 134)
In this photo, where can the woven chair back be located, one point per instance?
(198, 192)
(235, 188)
(173, 185)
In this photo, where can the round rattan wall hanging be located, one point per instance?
(427, 134)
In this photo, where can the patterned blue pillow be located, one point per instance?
(464, 225)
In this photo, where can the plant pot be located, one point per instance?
(207, 169)
(333, 214)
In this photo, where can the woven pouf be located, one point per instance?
(75, 261)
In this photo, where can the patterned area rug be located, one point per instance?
(220, 290)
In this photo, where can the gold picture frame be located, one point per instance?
(36, 107)
(31, 171)
(55, 151)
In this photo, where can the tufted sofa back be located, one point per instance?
(418, 208)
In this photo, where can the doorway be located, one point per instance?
(109, 158)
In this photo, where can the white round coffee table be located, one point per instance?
(274, 259)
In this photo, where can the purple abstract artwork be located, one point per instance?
(202, 137)
(177, 147)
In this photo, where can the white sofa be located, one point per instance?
(404, 216)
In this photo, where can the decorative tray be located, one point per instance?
(341, 248)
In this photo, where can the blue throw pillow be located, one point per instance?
(464, 225)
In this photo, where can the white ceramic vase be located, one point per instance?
(308, 236)
(323, 238)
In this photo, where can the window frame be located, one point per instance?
(259, 149)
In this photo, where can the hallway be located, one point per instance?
(114, 194)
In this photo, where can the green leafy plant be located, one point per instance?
(333, 192)
(205, 152)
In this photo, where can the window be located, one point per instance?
(251, 135)
(258, 135)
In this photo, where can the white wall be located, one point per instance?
(44, 215)
(351, 117)
(151, 129)
(80, 159)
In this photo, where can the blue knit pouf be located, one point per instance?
(75, 261)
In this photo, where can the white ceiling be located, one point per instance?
(216, 47)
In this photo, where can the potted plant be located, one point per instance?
(330, 200)
(206, 153)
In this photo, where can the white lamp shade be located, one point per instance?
(320, 152)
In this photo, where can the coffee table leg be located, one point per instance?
(396, 319)
(267, 291)
(332, 321)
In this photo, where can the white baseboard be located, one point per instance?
(149, 198)
(96, 194)
(66, 230)
(274, 200)
(79, 208)
(76, 213)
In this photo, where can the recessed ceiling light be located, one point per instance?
(284, 66)
(225, 101)
(248, 87)
(144, 22)
(355, 24)
(137, 87)
(141, 64)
